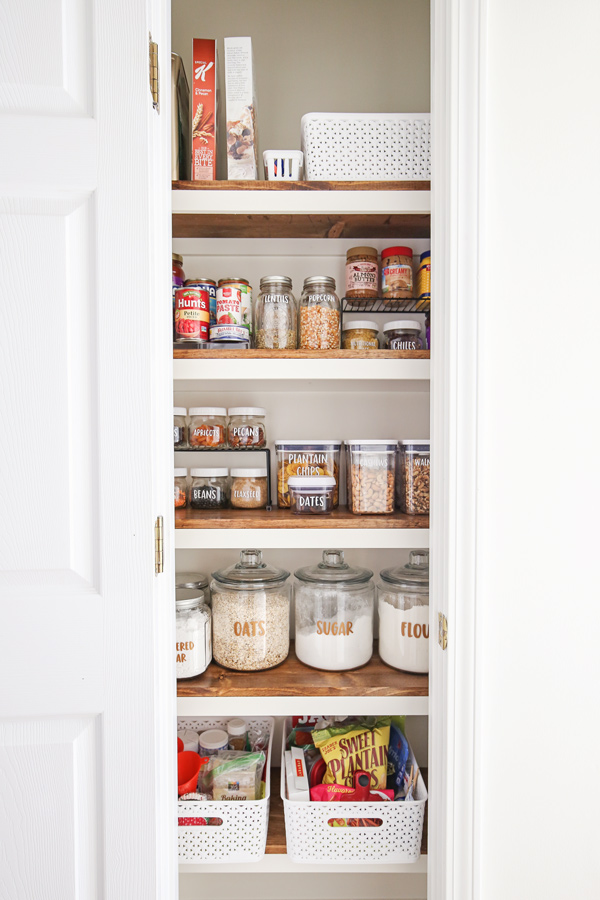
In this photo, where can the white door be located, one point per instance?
(87, 704)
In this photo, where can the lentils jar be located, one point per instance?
(193, 645)
(319, 314)
(396, 273)
(404, 614)
(179, 427)
(334, 614)
(209, 488)
(180, 480)
(251, 609)
(246, 428)
(362, 274)
(208, 427)
(275, 314)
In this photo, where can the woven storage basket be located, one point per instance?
(243, 835)
(366, 147)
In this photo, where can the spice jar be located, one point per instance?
(179, 427)
(192, 584)
(396, 273)
(212, 742)
(246, 428)
(319, 320)
(251, 608)
(412, 481)
(180, 488)
(403, 335)
(362, 273)
(306, 458)
(404, 614)
(249, 488)
(311, 495)
(334, 614)
(208, 427)
(193, 651)
(372, 468)
(237, 731)
(209, 489)
(360, 335)
(275, 314)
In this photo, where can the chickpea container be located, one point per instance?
(208, 428)
(397, 273)
(249, 488)
(180, 434)
(360, 335)
(412, 478)
(371, 476)
(246, 428)
(362, 274)
(319, 318)
(181, 493)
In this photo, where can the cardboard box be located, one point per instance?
(242, 140)
(180, 121)
(296, 777)
(204, 110)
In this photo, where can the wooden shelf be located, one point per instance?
(301, 185)
(340, 518)
(183, 353)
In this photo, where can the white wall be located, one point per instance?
(539, 489)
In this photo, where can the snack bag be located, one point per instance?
(398, 757)
(356, 746)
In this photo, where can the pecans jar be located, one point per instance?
(396, 273)
(403, 335)
(372, 476)
(319, 320)
(248, 488)
(360, 335)
(275, 314)
(209, 488)
(180, 478)
(246, 428)
(208, 427)
(362, 273)
(179, 427)
(412, 482)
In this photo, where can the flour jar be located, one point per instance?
(404, 614)
(193, 651)
(334, 614)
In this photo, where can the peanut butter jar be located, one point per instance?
(397, 273)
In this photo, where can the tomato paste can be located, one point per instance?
(207, 284)
(192, 314)
(234, 303)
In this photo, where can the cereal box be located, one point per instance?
(204, 110)
(242, 141)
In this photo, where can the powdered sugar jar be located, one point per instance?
(404, 614)
(193, 640)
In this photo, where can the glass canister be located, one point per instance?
(275, 314)
(208, 427)
(412, 478)
(396, 273)
(193, 650)
(209, 489)
(319, 320)
(192, 584)
(371, 476)
(403, 335)
(180, 488)
(362, 274)
(251, 609)
(179, 427)
(246, 428)
(404, 614)
(334, 614)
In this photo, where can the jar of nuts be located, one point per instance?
(371, 476)
(208, 427)
(246, 428)
(412, 482)
(319, 320)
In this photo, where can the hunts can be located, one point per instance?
(234, 303)
(206, 284)
(191, 314)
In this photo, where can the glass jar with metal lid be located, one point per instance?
(251, 608)
(180, 483)
(193, 645)
(404, 614)
(192, 584)
(334, 614)
(319, 319)
(275, 314)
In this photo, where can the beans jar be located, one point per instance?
(319, 320)
(334, 614)
(249, 488)
(396, 273)
(179, 427)
(246, 428)
(208, 427)
(412, 481)
(275, 314)
(372, 476)
(362, 274)
(304, 458)
(180, 488)
(360, 335)
(209, 488)
(403, 335)
(311, 495)
(251, 610)
(403, 602)
(193, 643)
(192, 584)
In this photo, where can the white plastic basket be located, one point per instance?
(310, 839)
(243, 835)
(283, 165)
(366, 146)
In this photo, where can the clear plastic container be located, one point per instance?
(209, 489)
(403, 602)
(275, 314)
(251, 609)
(311, 496)
(412, 478)
(180, 436)
(249, 488)
(371, 476)
(193, 647)
(246, 428)
(208, 427)
(319, 319)
(334, 614)
(181, 493)
(403, 335)
(306, 458)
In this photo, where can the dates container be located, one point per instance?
(311, 496)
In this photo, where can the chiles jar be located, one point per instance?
(208, 427)
(404, 614)
(334, 614)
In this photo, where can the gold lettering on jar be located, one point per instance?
(407, 630)
(334, 628)
(249, 629)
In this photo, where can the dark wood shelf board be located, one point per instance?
(361, 226)
(301, 185)
(284, 518)
(184, 353)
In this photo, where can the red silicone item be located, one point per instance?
(188, 769)
(179, 745)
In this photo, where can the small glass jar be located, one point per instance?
(193, 642)
(404, 614)
(180, 488)
(403, 335)
(192, 584)
(251, 610)
(249, 488)
(275, 314)
(209, 489)
(179, 427)
(237, 731)
(334, 614)
(319, 319)
(396, 273)
(246, 428)
(360, 335)
(311, 496)
(208, 427)
(372, 476)
(412, 478)
(362, 274)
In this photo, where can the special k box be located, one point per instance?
(204, 110)
(242, 141)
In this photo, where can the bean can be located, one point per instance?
(192, 314)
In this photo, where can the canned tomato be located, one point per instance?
(207, 284)
(191, 314)
(234, 303)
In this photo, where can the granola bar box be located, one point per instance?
(204, 110)
(242, 141)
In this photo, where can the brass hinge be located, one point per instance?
(154, 85)
(159, 550)
(442, 631)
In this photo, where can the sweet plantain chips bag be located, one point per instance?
(359, 746)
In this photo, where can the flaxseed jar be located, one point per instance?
(362, 274)
(396, 273)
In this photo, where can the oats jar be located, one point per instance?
(275, 314)
(319, 317)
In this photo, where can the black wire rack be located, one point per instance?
(384, 306)
(264, 450)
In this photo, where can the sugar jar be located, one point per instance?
(179, 427)
(275, 314)
(246, 428)
(319, 320)
(208, 427)
(334, 614)
(193, 651)
(404, 614)
(251, 610)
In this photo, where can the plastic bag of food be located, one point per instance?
(234, 775)
(356, 746)
(397, 759)
(258, 738)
